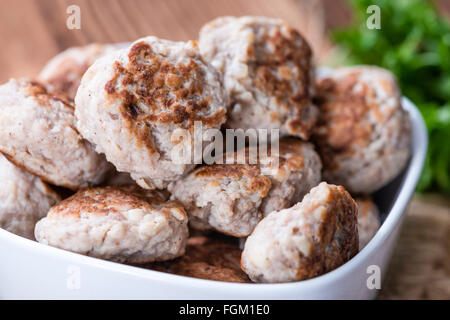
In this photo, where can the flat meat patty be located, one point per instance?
(116, 224)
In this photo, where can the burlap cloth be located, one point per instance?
(420, 267)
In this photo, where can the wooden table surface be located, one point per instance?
(33, 31)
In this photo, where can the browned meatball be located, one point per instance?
(233, 198)
(311, 238)
(116, 224)
(131, 105)
(363, 133)
(39, 134)
(267, 72)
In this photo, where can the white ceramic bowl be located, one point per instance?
(29, 270)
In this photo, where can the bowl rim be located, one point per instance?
(406, 190)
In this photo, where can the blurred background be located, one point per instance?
(413, 42)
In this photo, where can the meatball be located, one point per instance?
(210, 258)
(299, 169)
(118, 225)
(24, 199)
(62, 74)
(267, 72)
(225, 197)
(311, 238)
(39, 134)
(368, 220)
(233, 198)
(363, 134)
(139, 104)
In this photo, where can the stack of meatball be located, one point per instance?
(100, 120)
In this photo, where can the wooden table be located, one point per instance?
(33, 31)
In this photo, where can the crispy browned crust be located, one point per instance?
(39, 92)
(291, 153)
(341, 124)
(107, 200)
(338, 236)
(163, 92)
(207, 258)
(272, 73)
(234, 171)
(258, 182)
(290, 157)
